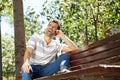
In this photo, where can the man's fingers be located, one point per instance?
(26, 68)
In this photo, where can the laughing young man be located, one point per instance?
(41, 51)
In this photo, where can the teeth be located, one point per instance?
(49, 31)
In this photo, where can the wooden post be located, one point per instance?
(19, 32)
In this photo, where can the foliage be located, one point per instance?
(8, 57)
(51, 10)
(6, 10)
(32, 23)
(84, 21)
(88, 13)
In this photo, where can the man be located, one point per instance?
(41, 50)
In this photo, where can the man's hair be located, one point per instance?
(55, 21)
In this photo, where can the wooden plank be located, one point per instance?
(95, 50)
(112, 60)
(109, 39)
(103, 55)
(97, 70)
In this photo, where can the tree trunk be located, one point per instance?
(0, 52)
(19, 32)
(86, 35)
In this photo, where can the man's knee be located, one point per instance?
(65, 55)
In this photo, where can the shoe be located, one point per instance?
(64, 71)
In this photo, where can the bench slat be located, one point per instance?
(103, 55)
(114, 60)
(97, 70)
(97, 43)
(94, 51)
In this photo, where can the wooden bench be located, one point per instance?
(97, 61)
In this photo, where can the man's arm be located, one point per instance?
(70, 44)
(26, 65)
(28, 53)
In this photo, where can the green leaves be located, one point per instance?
(32, 23)
(8, 57)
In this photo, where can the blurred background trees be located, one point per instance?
(85, 21)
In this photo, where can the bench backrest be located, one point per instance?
(105, 51)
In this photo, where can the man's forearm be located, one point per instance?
(69, 42)
(27, 55)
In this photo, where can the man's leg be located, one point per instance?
(56, 65)
(26, 76)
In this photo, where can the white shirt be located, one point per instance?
(43, 54)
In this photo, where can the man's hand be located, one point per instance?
(26, 67)
(59, 33)
(70, 44)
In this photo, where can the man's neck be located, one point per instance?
(47, 39)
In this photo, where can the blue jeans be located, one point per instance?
(47, 70)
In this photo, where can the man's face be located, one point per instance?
(51, 29)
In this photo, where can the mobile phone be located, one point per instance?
(55, 32)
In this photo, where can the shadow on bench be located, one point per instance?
(97, 61)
